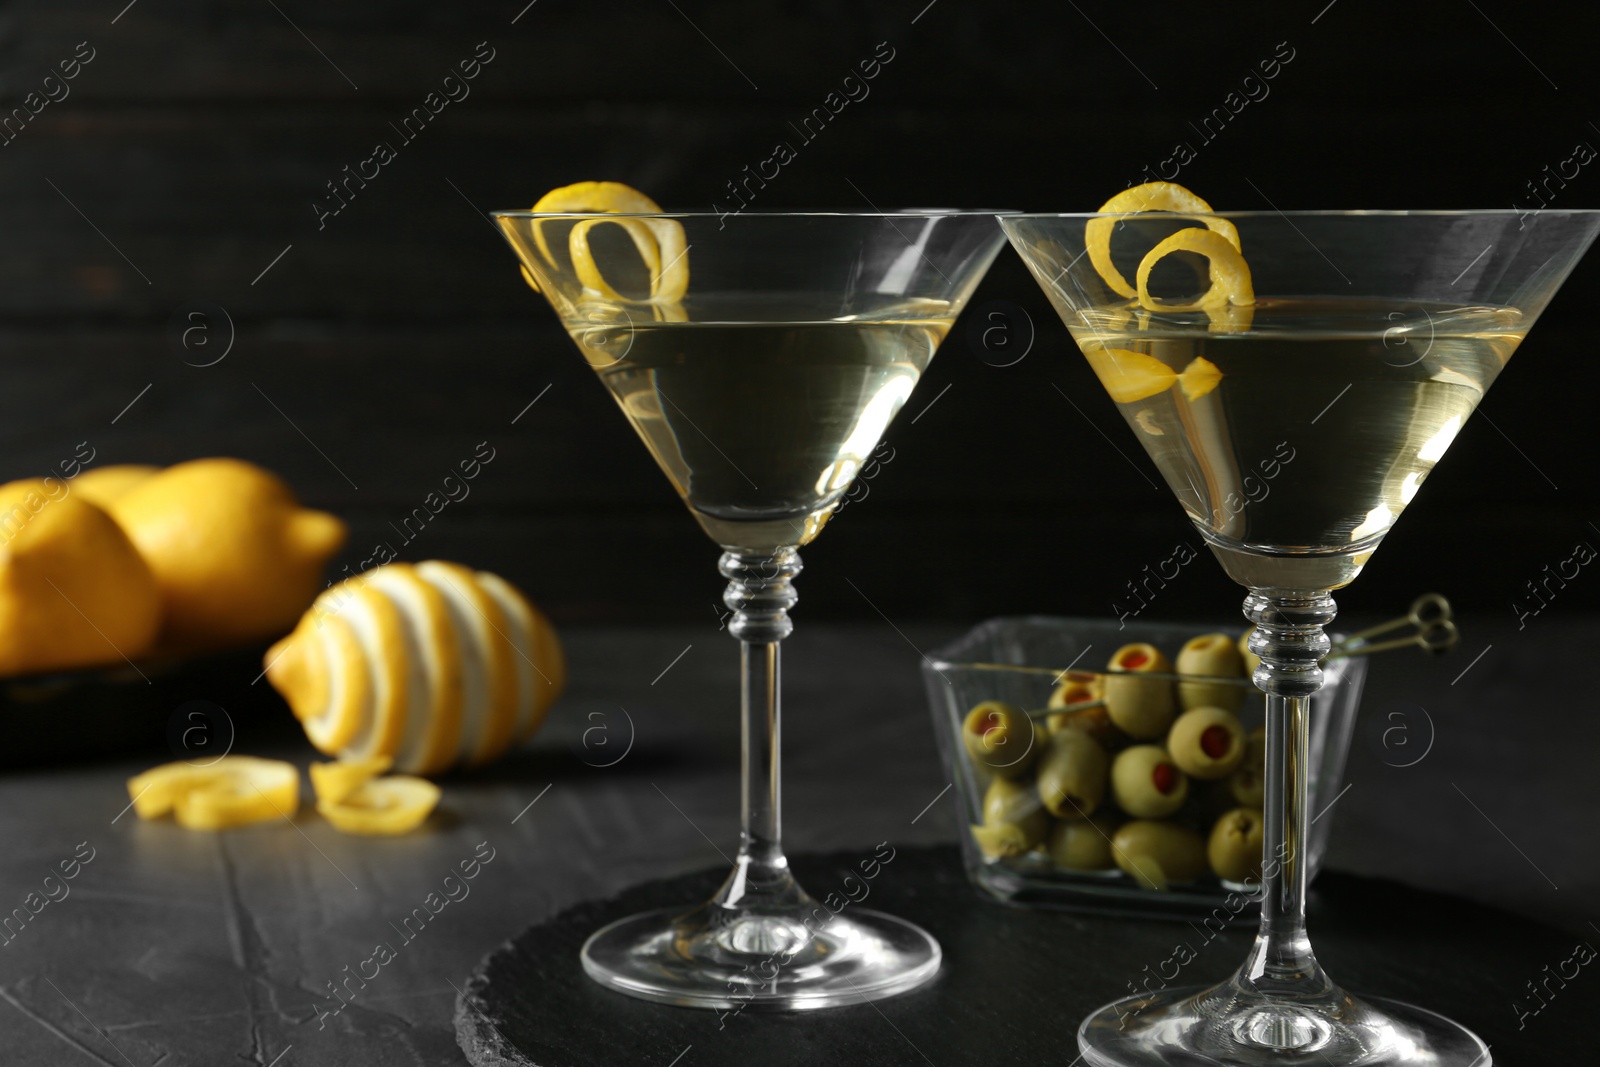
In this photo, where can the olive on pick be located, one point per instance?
(1207, 742)
(1146, 783)
(1140, 707)
(1214, 656)
(1083, 846)
(1248, 783)
(1236, 844)
(1072, 774)
(1156, 853)
(1001, 739)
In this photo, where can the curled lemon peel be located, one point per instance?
(231, 791)
(1152, 196)
(1230, 274)
(395, 804)
(1129, 376)
(660, 242)
(1199, 378)
(333, 782)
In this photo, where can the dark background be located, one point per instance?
(380, 350)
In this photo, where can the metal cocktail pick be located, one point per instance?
(1432, 629)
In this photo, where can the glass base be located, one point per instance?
(735, 959)
(1226, 1025)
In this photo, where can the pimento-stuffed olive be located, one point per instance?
(1235, 846)
(1157, 853)
(1077, 687)
(1001, 739)
(1249, 782)
(1207, 743)
(1213, 656)
(1083, 846)
(1146, 783)
(1072, 774)
(1093, 720)
(1008, 800)
(1140, 707)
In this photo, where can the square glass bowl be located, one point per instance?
(1022, 661)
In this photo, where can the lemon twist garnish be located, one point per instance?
(660, 242)
(1230, 275)
(1218, 242)
(1152, 196)
(1129, 376)
(1199, 378)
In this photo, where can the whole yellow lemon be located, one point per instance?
(234, 554)
(102, 485)
(73, 590)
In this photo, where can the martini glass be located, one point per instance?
(1294, 432)
(761, 380)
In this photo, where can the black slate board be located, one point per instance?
(194, 708)
(1015, 982)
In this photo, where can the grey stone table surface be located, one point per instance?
(172, 947)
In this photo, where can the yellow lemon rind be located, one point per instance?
(1129, 376)
(387, 806)
(1230, 274)
(1151, 196)
(333, 782)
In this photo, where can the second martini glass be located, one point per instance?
(1294, 429)
(760, 358)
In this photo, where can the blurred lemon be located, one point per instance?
(235, 556)
(102, 485)
(73, 590)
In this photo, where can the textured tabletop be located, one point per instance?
(175, 948)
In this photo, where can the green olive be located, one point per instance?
(1212, 656)
(1009, 800)
(1251, 660)
(1249, 782)
(1083, 846)
(1094, 721)
(1207, 742)
(1235, 846)
(1146, 783)
(1140, 707)
(1078, 687)
(1000, 738)
(1001, 840)
(1072, 774)
(1156, 853)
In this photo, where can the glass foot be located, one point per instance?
(734, 959)
(1228, 1025)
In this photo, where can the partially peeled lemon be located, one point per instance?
(430, 665)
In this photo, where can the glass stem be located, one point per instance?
(760, 593)
(1290, 640)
